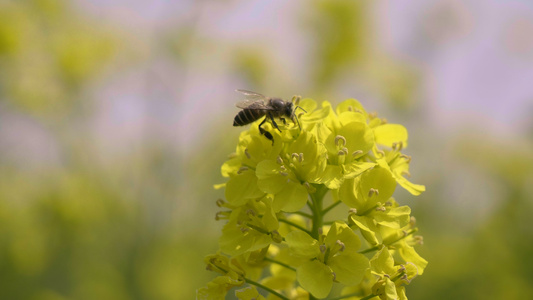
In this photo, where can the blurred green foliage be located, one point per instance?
(138, 227)
(47, 52)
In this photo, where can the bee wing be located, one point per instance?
(253, 104)
(253, 95)
(253, 100)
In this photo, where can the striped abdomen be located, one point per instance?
(247, 116)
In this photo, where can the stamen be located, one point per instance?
(407, 157)
(357, 153)
(250, 212)
(301, 157)
(282, 168)
(323, 248)
(350, 108)
(340, 138)
(373, 191)
(247, 154)
(397, 146)
(387, 275)
(295, 156)
(340, 244)
(232, 155)
(220, 202)
(381, 208)
(242, 169)
(412, 221)
(384, 121)
(381, 152)
(406, 173)
(284, 173)
(353, 211)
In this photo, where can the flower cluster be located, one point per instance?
(277, 239)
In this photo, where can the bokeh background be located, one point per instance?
(115, 117)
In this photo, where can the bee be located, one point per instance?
(257, 106)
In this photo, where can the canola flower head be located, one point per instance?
(275, 215)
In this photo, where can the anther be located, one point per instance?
(384, 121)
(402, 268)
(419, 240)
(350, 108)
(247, 154)
(323, 248)
(295, 156)
(334, 276)
(232, 155)
(381, 152)
(372, 115)
(340, 244)
(406, 173)
(387, 275)
(345, 150)
(373, 191)
(279, 160)
(220, 202)
(250, 212)
(284, 173)
(340, 138)
(397, 146)
(301, 157)
(406, 278)
(388, 203)
(357, 153)
(407, 157)
(353, 211)
(245, 229)
(381, 208)
(242, 169)
(283, 168)
(412, 221)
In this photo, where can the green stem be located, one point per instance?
(316, 208)
(394, 242)
(301, 213)
(280, 263)
(257, 284)
(327, 209)
(294, 225)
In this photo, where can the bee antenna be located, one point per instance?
(297, 106)
(297, 121)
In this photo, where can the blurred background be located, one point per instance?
(115, 117)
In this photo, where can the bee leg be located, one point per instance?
(283, 120)
(267, 134)
(273, 122)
